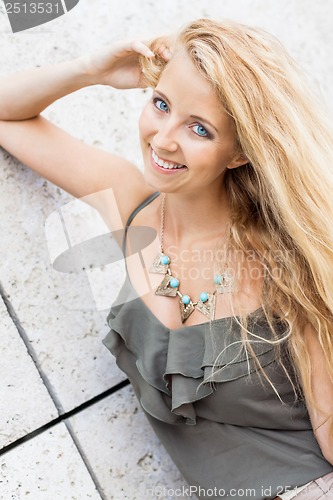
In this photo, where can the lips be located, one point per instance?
(164, 166)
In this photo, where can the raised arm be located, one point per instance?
(66, 161)
(26, 94)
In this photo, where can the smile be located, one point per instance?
(167, 166)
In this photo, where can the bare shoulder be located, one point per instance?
(322, 386)
(107, 181)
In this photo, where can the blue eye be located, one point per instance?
(201, 131)
(162, 106)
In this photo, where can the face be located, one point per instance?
(185, 127)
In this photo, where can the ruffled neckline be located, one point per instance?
(173, 363)
(212, 322)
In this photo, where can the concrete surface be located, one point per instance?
(25, 402)
(48, 466)
(52, 356)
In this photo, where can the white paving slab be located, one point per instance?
(25, 402)
(126, 456)
(44, 468)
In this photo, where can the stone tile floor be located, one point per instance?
(70, 427)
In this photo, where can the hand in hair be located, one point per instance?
(118, 64)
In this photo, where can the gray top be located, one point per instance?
(232, 437)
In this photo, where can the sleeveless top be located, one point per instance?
(234, 438)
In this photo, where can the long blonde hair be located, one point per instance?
(281, 202)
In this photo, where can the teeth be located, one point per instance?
(163, 163)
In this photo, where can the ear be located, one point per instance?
(238, 161)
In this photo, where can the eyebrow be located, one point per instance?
(199, 118)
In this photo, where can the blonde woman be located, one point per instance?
(231, 350)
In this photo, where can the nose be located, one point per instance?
(165, 138)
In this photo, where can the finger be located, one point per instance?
(167, 53)
(141, 48)
(164, 51)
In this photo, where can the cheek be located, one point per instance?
(145, 123)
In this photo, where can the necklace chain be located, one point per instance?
(162, 223)
(169, 287)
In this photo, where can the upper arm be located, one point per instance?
(322, 387)
(78, 168)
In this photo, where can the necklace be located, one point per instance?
(224, 282)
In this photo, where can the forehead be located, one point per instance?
(189, 91)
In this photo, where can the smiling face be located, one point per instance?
(187, 138)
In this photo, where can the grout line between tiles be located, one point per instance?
(31, 351)
(64, 416)
(85, 459)
(65, 419)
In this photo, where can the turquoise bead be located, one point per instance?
(186, 299)
(217, 279)
(164, 260)
(203, 296)
(174, 283)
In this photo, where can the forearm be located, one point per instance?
(26, 94)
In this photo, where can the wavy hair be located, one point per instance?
(281, 201)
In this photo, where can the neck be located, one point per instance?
(193, 216)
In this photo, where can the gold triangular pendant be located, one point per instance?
(165, 289)
(208, 308)
(228, 283)
(185, 310)
(157, 266)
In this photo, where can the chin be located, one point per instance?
(158, 186)
(150, 180)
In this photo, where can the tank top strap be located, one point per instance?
(134, 213)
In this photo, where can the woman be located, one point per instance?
(224, 326)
